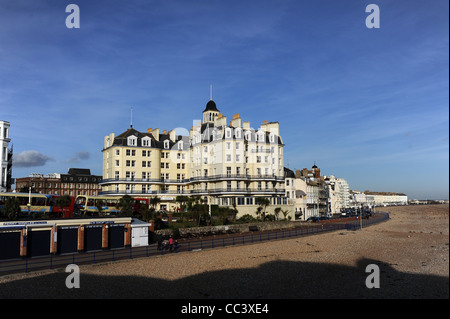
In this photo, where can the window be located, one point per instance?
(272, 138)
(261, 136)
(228, 132)
(146, 141)
(237, 133)
(117, 152)
(132, 141)
(228, 157)
(166, 144)
(180, 145)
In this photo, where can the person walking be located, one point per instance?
(170, 243)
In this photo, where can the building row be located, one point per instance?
(224, 162)
(379, 198)
(76, 182)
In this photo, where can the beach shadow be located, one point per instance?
(272, 280)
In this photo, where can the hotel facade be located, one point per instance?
(226, 163)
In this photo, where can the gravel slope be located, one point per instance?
(411, 251)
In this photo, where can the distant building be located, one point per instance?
(5, 157)
(78, 181)
(368, 198)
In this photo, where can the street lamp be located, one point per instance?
(29, 200)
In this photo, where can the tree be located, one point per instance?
(285, 213)
(263, 203)
(11, 208)
(99, 205)
(196, 208)
(182, 200)
(154, 201)
(126, 206)
(277, 212)
(148, 213)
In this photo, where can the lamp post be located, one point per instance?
(29, 200)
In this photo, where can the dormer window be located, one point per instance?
(132, 141)
(180, 145)
(260, 136)
(248, 135)
(272, 138)
(238, 133)
(146, 141)
(166, 144)
(228, 132)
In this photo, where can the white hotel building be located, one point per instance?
(225, 162)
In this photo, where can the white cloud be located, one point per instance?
(30, 159)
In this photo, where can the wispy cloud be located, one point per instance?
(80, 156)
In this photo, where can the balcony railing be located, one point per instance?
(216, 191)
(132, 180)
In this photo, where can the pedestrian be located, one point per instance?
(160, 243)
(176, 245)
(170, 243)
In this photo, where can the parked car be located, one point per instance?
(315, 219)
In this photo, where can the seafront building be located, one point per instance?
(226, 163)
(77, 181)
(368, 198)
(5, 157)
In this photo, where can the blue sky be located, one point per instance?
(367, 105)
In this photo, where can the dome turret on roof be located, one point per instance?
(211, 106)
